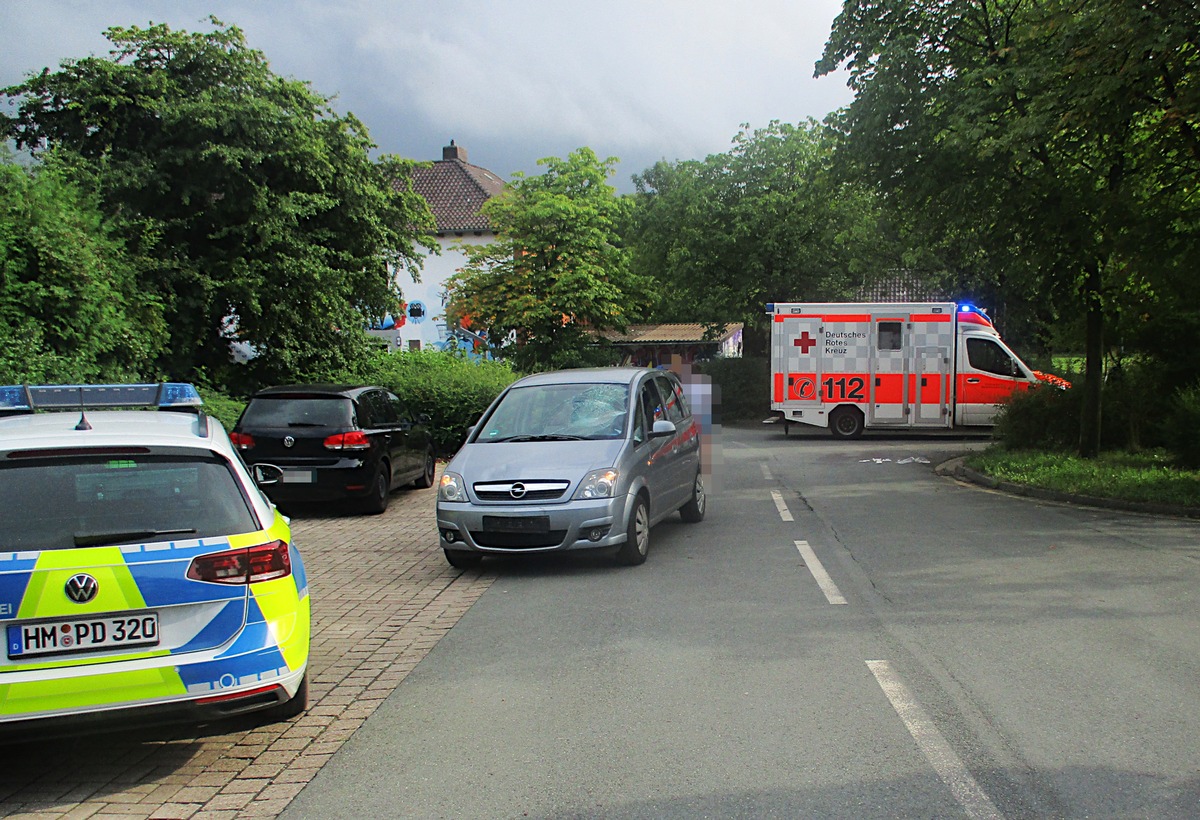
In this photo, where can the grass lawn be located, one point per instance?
(1149, 477)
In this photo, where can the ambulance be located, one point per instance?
(889, 365)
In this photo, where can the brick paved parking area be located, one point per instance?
(382, 597)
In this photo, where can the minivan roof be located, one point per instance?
(610, 375)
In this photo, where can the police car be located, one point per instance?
(143, 574)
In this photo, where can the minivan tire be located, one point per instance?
(637, 535)
(462, 559)
(693, 511)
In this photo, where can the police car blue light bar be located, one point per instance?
(28, 397)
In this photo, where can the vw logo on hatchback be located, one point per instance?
(288, 441)
(82, 588)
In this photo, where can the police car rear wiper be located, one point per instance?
(549, 437)
(100, 539)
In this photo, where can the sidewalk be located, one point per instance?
(382, 596)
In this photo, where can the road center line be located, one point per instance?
(766, 471)
(832, 593)
(784, 512)
(931, 742)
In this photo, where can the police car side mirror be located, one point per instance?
(661, 428)
(266, 474)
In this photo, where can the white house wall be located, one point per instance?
(430, 329)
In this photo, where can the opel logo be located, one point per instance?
(517, 490)
(82, 588)
(288, 441)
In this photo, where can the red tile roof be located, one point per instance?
(670, 333)
(455, 191)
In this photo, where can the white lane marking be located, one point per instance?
(945, 762)
(766, 472)
(832, 593)
(784, 512)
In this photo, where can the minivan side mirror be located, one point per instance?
(661, 428)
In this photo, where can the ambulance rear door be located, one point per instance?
(796, 351)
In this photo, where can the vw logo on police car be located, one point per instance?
(288, 441)
(517, 490)
(82, 588)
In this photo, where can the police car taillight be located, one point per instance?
(245, 566)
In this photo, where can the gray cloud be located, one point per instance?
(512, 82)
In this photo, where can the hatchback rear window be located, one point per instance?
(80, 501)
(283, 411)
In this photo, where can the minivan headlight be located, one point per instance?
(598, 484)
(452, 488)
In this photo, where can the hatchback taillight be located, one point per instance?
(242, 441)
(245, 566)
(354, 440)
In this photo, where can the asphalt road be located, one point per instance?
(846, 635)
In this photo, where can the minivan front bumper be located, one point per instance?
(524, 528)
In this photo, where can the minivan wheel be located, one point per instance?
(637, 536)
(462, 559)
(693, 511)
(377, 501)
(425, 480)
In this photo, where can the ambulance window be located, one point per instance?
(889, 335)
(986, 355)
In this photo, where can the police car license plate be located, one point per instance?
(299, 476)
(82, 634)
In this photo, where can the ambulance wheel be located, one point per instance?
(846, 422)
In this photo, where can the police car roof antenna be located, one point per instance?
(83, 422)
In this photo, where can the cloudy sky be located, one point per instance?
(511, 81)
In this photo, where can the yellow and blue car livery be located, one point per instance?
(166, 627)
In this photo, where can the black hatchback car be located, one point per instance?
(335, 442)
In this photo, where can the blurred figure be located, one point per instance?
(704, 398)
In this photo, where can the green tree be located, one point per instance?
(767, 221)
(258, 212)
(1025, 131)
(557, 272)
(70, 307)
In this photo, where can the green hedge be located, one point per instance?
(742, 388)
(450, 388)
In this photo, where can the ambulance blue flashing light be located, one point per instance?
(27, 398)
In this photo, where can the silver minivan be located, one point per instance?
(574, 459)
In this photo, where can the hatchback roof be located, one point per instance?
(347, 390)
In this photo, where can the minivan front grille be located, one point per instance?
(518, 540)
(521, 490)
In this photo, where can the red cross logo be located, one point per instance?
(805, 342)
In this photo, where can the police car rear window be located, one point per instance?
(101, 500)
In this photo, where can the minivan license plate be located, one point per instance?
(517, 523)
(82, 634)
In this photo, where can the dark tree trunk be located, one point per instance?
(1089, 428)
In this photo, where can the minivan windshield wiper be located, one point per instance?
(548, 437)
(100, 539)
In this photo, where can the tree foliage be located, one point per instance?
(256, 211)
(1055, 139)
(767, 221)
(70, 307)
(557, 272)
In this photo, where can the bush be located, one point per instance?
(223, 408)
(448, 387)
(1183, 426)
(1044, 418)
(741, 388)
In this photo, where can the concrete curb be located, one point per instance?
(955, 468)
